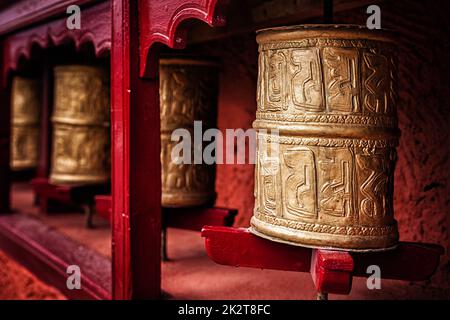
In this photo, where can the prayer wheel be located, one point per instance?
(81, 137)
(188, 93)
(26, 101)
(327, 135)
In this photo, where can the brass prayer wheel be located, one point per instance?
(325, 179)
(188, 93)
(81, 137)
(25, 101)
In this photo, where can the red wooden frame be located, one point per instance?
(136, 189)
(48, 253)
(53, 197)
(134, 28)
(103, 206)
(159, 21)
(17, 42)
(331, 271)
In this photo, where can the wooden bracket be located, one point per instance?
(69, 196)
(331, 271)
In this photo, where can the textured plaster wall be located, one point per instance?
(422, 182)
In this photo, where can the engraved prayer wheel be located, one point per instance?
(325, 179)
(81, 137)
(188, 93)
(26, 101)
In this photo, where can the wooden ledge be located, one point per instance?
(47, 254)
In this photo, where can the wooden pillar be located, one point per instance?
(5, 112)
(136, 178)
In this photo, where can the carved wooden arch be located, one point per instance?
(95, 29)
(159, 22)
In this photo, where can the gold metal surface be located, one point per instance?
(80, 153)
(26, 101)
(327, 179)
(188, 92)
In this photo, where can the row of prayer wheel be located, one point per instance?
(80, 150)
(81, 125)
(326, 127)
(25, 109)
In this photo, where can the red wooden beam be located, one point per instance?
(47, 253)
(159, 21)
(332, 271)
(195, 218)
(23, 13)
(95, 28)
(182, 218)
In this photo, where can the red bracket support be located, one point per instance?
(51, 197)
(176, 217)
(198, 217)
(331, 271)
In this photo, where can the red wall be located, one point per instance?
(421, 179)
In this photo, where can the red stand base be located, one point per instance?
(51, 197)
(181, 218)
(331, 271)
(103, 206)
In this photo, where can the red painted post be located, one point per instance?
(103, 206)
(45, 127)
(136, 175)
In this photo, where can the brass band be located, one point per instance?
(81, 137)
(326, 179)
(188, 92)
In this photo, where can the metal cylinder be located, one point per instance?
(81, 137)
(325, 178)
(26, 102)
(188, 93)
